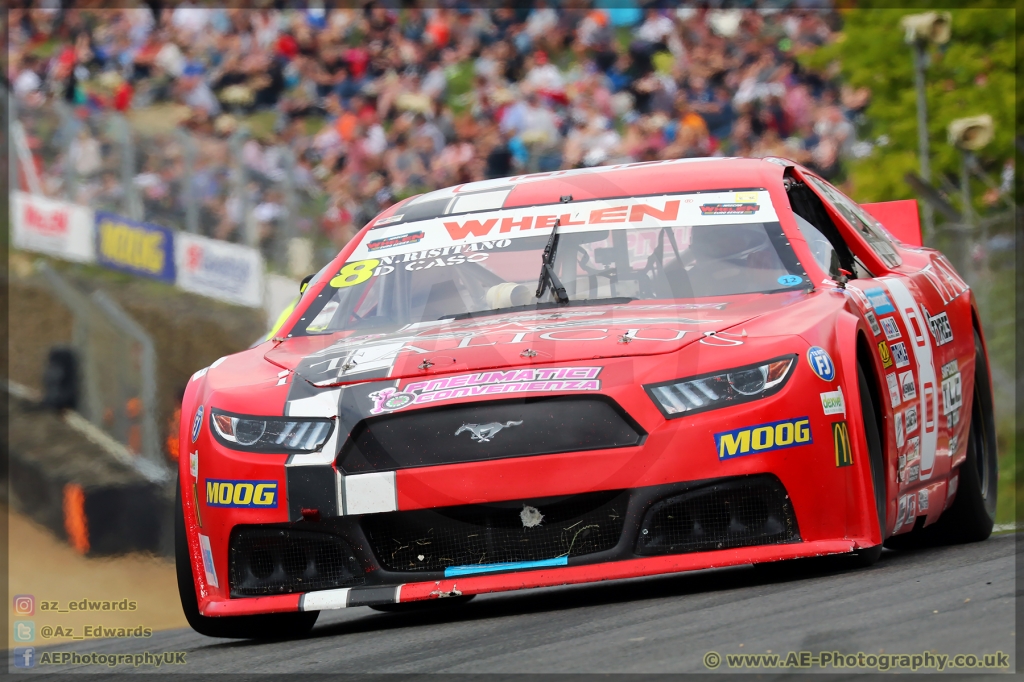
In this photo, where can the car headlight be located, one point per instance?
(270, 434)
(683, 397)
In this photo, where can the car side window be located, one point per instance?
(869, 228)
(821, 248)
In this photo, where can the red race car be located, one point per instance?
(587, 375)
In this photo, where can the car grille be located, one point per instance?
(435, 539)
(525, 427)
(752, 510)
(271, 560)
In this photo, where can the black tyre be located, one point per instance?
(269, 626)
(424, 605)
(869, 555)
(971, 516)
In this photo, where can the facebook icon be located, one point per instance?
(24, 656)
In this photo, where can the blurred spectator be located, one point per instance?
(338, 113)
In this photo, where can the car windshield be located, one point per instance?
(607, 252)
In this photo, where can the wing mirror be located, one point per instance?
(305, 283)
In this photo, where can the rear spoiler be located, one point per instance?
(900, 218)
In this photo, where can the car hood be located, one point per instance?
(522, 339)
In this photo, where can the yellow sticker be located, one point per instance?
(746, 197)
(355, 273)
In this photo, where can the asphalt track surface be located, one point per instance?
(947, 600)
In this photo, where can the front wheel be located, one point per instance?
(869, 555)
(266, 626)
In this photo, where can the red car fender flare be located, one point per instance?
(860, 498)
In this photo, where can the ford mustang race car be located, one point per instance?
(587, 375)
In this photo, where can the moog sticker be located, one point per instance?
(753, 440)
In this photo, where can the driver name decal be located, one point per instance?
(486, 383)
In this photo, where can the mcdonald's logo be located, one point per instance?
(841, 443)
(883, 352)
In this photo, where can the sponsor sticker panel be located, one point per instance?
(879, 301)
(952, 393)
(907, 385)
(821, 363)
(894, 389)
(891, 329)
(530, 380)
(911, 419)
(872, 320)
(832, 402)
(884, 354)
(241, 494)
(899, 354)
(841, 444)
(762, 438)
(939, 325)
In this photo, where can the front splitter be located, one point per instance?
(521, 580)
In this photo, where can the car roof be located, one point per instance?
(582, 184)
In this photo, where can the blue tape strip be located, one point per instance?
(456, 571)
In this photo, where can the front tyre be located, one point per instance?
(869, 555)
(268, 626)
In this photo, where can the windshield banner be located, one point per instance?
(668, 210)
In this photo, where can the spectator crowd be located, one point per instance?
(360, 107)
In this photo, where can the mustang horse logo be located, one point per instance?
(485, 432)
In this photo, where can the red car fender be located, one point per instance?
(860, 495)
(189, 404)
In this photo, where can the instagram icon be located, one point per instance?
(24, 604)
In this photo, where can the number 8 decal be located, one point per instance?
(354, 273)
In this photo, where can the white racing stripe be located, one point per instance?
(921, 342)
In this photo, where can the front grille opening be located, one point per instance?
(487, 430)
(284, 560)
(753, 510)
(435, 539)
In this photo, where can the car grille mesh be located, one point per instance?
(522, 427)
(432, 540)
(753, 510)
(268, 560)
